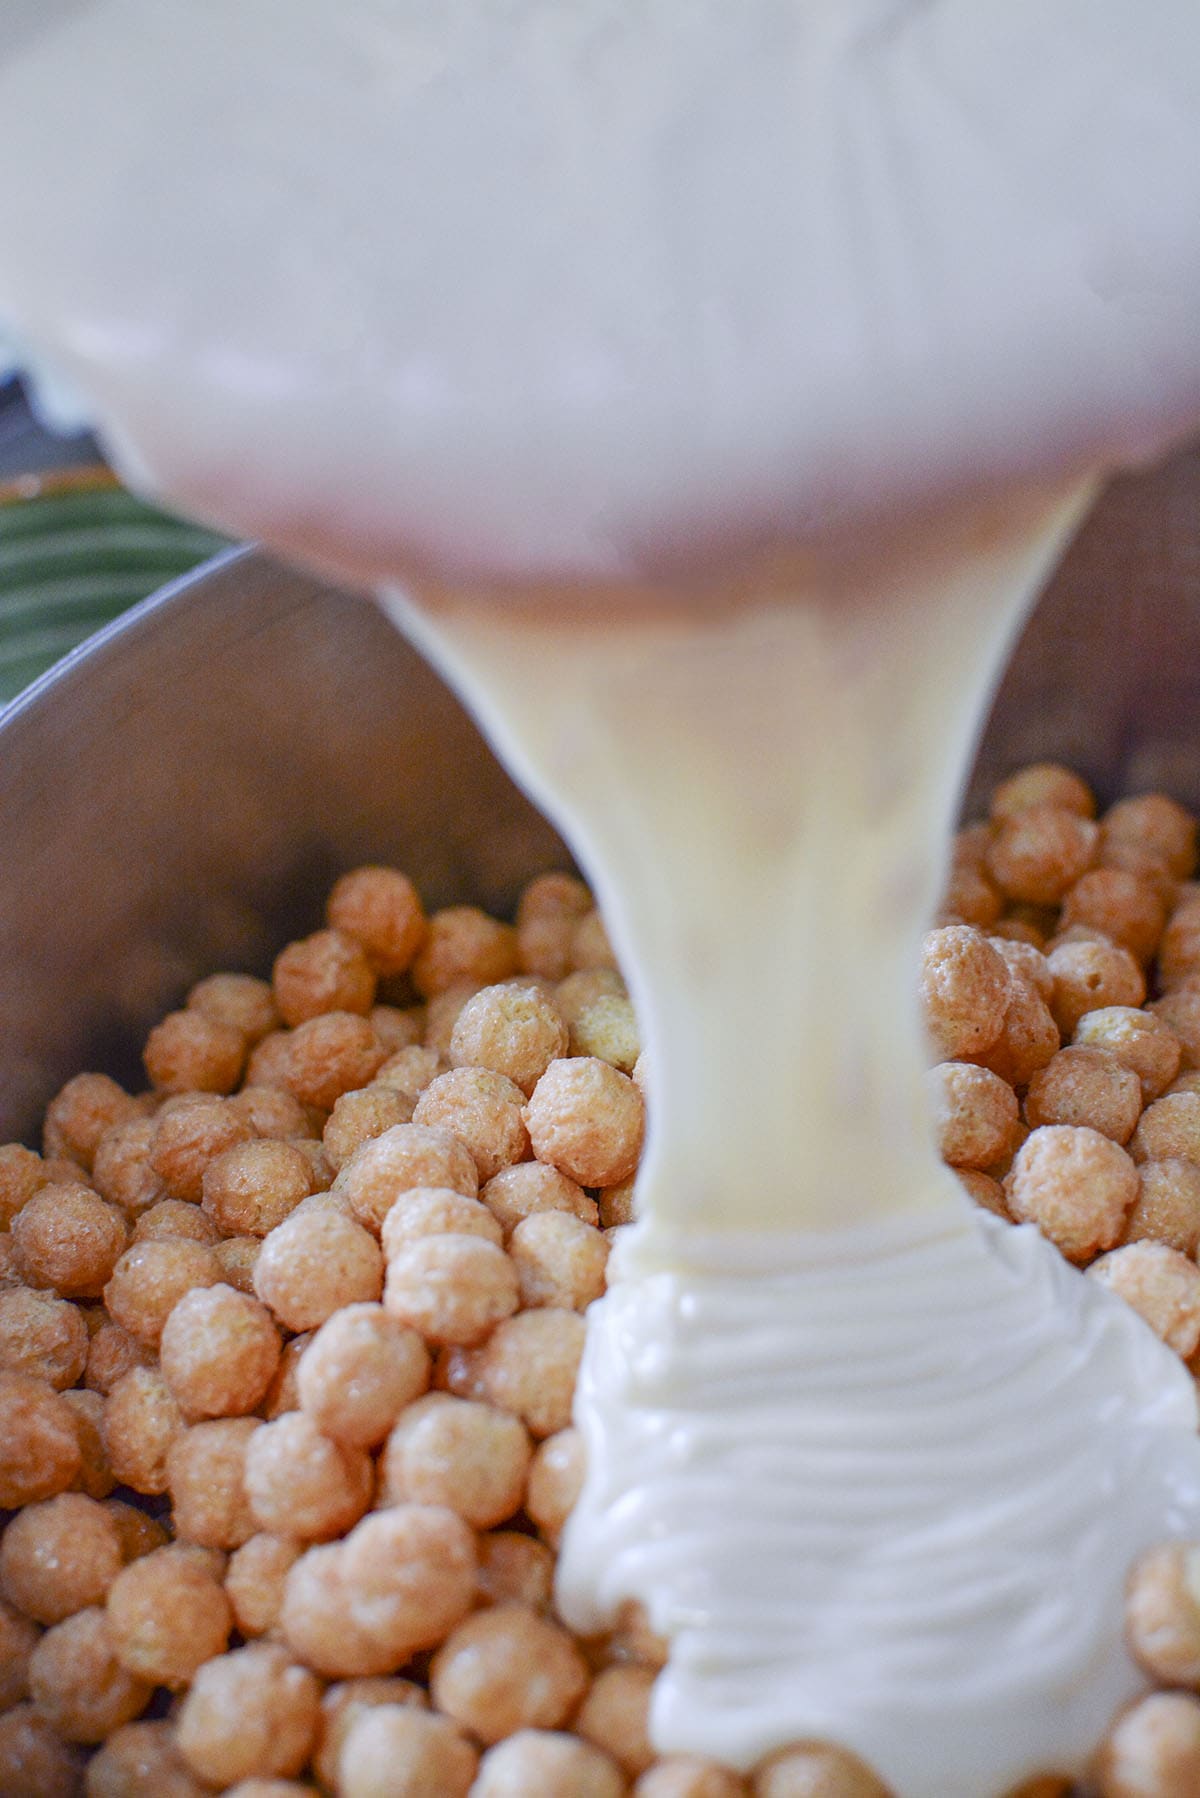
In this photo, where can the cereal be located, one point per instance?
(192, 1052)
(1162, 1286)
(342, 1704)
(409, 1070)
(1088, 1087)
(95, 1476)
(22, 1173)
(271, 1112)
(328, 971)
(1042, 783)
(483, 1110)
(547, 913)
(381, 909)
(555, 1480)
(513, 1030)
(77, 1683)
(301, 1484)
(441, 1015)
(586, 1119)
(35, 1762)
(974, 1114)
(174, 1218)
(1167, 1208)
(238, 1257)
(507, 1668)
(514, 1567)
(218, 1352)
(39, 1443)
(59, 1556)
(559, 1260)
(1126, 909)
(1162, 1613)
(361, 1116)
(140, 1533)
(396, 1584)
(1090, 976)
(240, 1000)
(255, 1578)
(150, 1279)
(463, 943)
(17, 1637)
(249, 1189)
(1156, 823)
(1169, 1129)
(80, 1114)
(531, 1186)
(964, 990)
(188, 1139)
(1075, 1185)
(68, 1238)
(313, 1264)
(540, 1763)
(617, 1204)
(284, 1393)
(140, 1760)
(529, 1364)
(615, 1716)
(578, 991)
(362, 1368)
(816, 1770)
(206, 1468)
(397, 1751)
(1029, 1036)
(141, 1421)
(469, 1457)
(43, 1336)
(329, 1055)
(1179, 1010)
(167, 1615)
(404, 1157)
(451, 1288)
(687, 1776)
(250, 1713)
(435, 1211)
(1039, 852)
(1139, 1040)
(1153, 1750)
(122, 1172)
(608, 1028)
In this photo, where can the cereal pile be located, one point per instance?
(288, 1343)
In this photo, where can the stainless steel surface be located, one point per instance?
(176, 797)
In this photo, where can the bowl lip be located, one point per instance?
(172, 592)
(57, 483)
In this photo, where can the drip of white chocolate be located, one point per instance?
(441, 295)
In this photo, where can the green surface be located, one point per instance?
(71, 561)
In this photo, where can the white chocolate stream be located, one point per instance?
(468, 297)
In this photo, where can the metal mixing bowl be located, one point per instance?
(177, 796)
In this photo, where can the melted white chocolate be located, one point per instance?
(448, 292)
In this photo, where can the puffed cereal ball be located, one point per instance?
(1075, 1185)
(1028, 1038)
(68, 1238)
(451, 1289)
(272, 1112)
(529, 1365)
(555, 1482)
(140, 1760)
(140, 1533)
(1153, 1750)
(530, 1187)
(559, 1260)
(327, 971)
(463, 943)
(1126, 909)
(59, 1556)
(1167, 1208)
(1091, 976)
(1086, 1086)
(397, 1751)
(591, 946)
(301, 1484)
(95, 1478)
(618, 1204)
(615, 1716)
(964, 990)
(43, 1336)
(974, 1113)
(121, 1170)
(540, 1763)
(517, 1568)
(39, 1442)
(219, 1351)
(251, 1188)
(441, 1015)
(1039, 852)
(507, 1668)
(191, 1052)
(77, 1683)
(175, 1218)
(255, 1578)
(1169, 1129)
(22, 1173)
(141, 1420)
(168, 1614)
(241, 1000)
(360, 1371)
(513, 1030)
(404, 1157)
(1157, 824)
(688, 1776)
(190, 1137)
(284, 1394)
(608, 1028)
(409, 1070)
(587, 1120)
(547, 913)
(206, 1468)
(17, 1637)
(1162, 1613)
(329, 1055)
(35, 1762)
(1179, 1010)
(1162, 1286)
(381, 909)
(483, 1110)
(80, 1114)
(250, 1713)
(1138, 1040)
(360, 1117)
(150, 1279)
(313, 1264)
(816, 1770)
(435, 1211)
(396, 1584)
(238, 1256)
(1179, 948)
(472, 1458)
(342, 1704)
(1042, 783)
